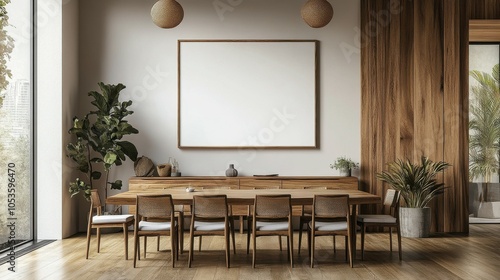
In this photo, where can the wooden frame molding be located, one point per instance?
(484, 30)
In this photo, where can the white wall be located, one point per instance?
(119, 43)
(70, 214)
(48, 118)
(57, 86)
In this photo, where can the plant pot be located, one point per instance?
(345, 172)
(415, 222)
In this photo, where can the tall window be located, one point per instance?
(16, 84)
(484, 132)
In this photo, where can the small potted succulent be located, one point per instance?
(344, 165)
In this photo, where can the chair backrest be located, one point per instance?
(154, 206)
(392, 200)
(95, 202)
(331, 206)
(273, 206)
(210, 206)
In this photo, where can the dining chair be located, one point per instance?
(230, 215)
(249, 214)
(272, 215)
(390, 220)
(306, 217)
(330, 216)
(210, 216)
(155, 217)
(99, 221)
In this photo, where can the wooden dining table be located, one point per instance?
(247, 197)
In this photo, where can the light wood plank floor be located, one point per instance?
(440, 257)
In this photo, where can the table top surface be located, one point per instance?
(245, 197)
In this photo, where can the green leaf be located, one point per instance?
(129, 149)
(96, 175)
(110, 158)
(117, 185)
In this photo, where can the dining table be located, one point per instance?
(181, 196)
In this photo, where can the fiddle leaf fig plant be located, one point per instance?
(99, 140)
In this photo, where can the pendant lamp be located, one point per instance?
(167, 13)
(317, 13)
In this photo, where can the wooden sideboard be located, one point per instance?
(282, 182)
(267, 182)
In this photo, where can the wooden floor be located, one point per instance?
(440, 257)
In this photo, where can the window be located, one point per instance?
(16, 109)
(484, 132)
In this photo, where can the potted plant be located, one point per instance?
(418, 186)
(98, 145)
(344, 165)
(484, 138)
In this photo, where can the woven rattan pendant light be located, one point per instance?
(167, 13)
(317, 13)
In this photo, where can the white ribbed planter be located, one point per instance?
(415, 222)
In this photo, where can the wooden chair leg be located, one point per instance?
(199, 246)
(309, 241)
(290, 245)
(145, 245)
(158, 243)
(89, 230)
(349, 243)
(191, 246)
(248, 235)
(390, 238)
(98, 230)
(399, 244)
(363, 229)
(346, 249)
(228, 247)
(136, 248)
(281, 247)
(232, 229)
(125, 237)
(301, 227)
(254, 251)
(173, 245)
(311, 250)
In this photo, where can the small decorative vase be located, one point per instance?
(231, 172)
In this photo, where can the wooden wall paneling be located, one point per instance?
(392, 89)
(428, 90)
(369, 98)
(455, 119)
(484, 9)
(369, 101)
(403, 76)
(383, 119)
(463, 165)
(406, 124)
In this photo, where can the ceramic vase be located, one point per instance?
(231, 172)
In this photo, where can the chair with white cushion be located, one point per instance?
(272, 216)
(330, 217)
(390, 220)
(210, 216)
(155, 216)
(99, 221)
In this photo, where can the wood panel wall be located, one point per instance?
(414, 96)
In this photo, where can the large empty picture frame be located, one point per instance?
(247, 94)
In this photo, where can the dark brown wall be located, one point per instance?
(414, 98)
